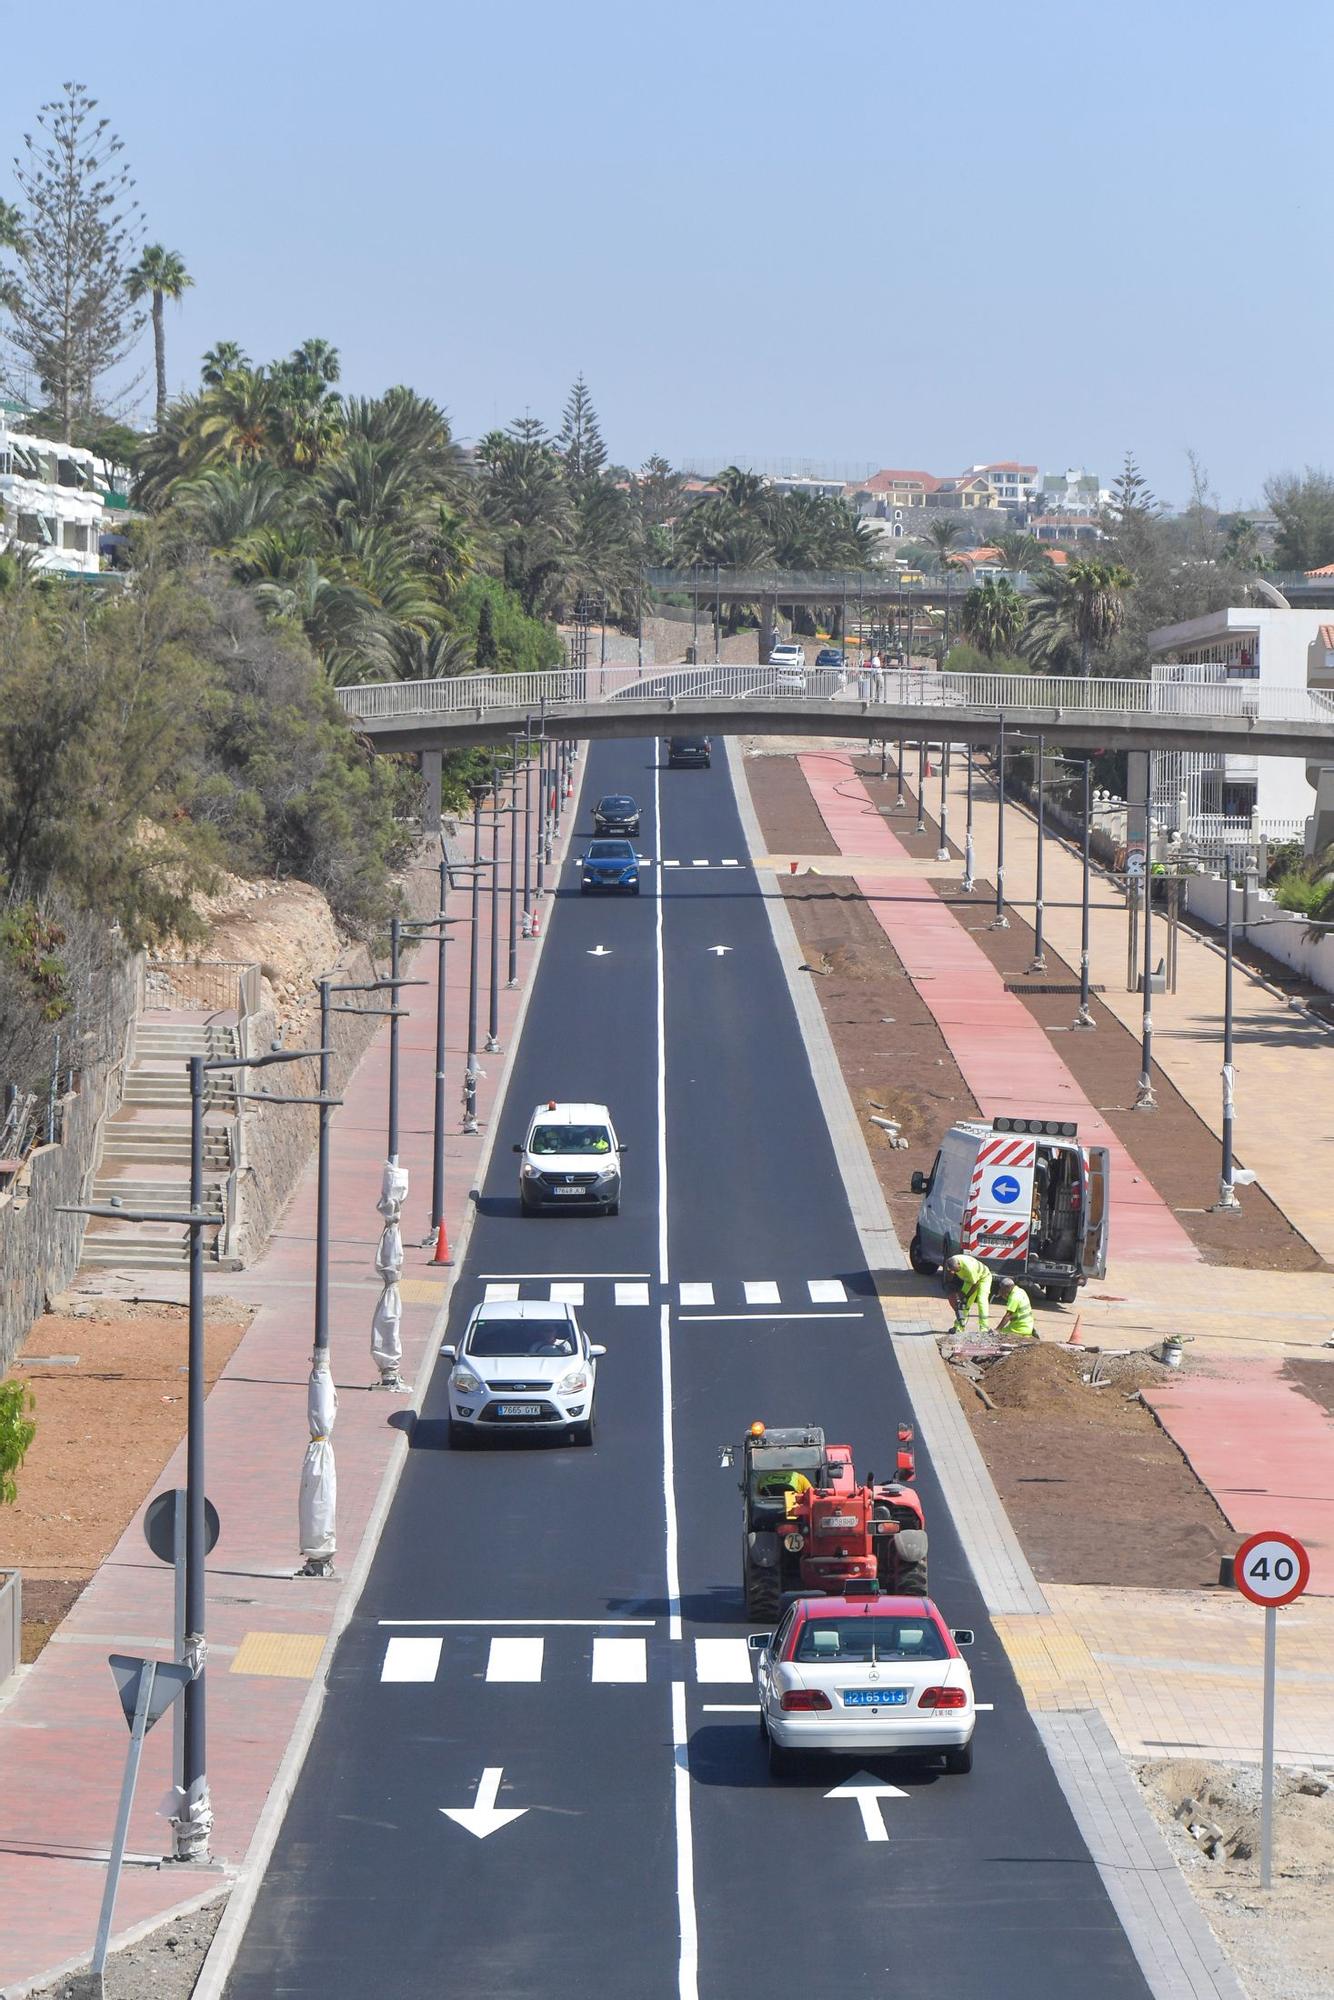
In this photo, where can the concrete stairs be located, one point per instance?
(144, 1161)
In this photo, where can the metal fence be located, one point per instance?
(198, 985)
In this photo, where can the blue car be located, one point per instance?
(610, 864)
(829, 656)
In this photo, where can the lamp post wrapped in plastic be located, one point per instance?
(386, 1346)
(318, 1503)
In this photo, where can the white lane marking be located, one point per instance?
(762, 1292)
(826, 1291)
(687, 1969)
(660, 973)
(696, 1295)
(505, 1290)
(730, 1707)
(984, 1707)
(731, 864)
(483, 1816)
(671, 864)
(411, 1659)
(599, 951)
(620, 1659)
(699, 864)
(632, 1295)
(723, 1660)
(521, 1275)
(868, 1792)
(515, 1660)
(527, 1623)
(754, 1317)
(672, 1554)
(567, 1294)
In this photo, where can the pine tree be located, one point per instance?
(580, 442)
(72, 317)
(1133, 499)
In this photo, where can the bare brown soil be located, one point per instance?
(106, 1426)
(1088, 1477)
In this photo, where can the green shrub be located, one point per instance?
(17, 1431)
(1295, 891)
(521, 644)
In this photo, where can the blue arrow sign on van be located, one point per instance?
(1005, 1188)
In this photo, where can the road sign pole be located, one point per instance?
(1267, 1750)
(178, 1708)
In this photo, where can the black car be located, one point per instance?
(682, 750)
(617, 813)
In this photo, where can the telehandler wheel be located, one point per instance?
(764, 1592)
(910, 1563)
(923, 1265)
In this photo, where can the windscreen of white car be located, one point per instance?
(838, 1641)
(592, 1139)
(531, 1339)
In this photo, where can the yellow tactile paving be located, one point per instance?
(421, 1291)
(284, 1655)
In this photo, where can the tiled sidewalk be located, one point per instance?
(62, 1739)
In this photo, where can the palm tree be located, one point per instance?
(230, 506)
(159, 274)
(942, 535)
(1022, 551)
(240, 416)
(221, 360)
(1097, 607)
(994, 615)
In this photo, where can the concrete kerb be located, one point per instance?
(1169, 1935)
(1003, 1575)
(127, 1939)
(247, 1875)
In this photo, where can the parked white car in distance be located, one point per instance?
(790, 660)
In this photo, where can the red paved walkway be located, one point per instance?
(1264, 1450)
(62, 1739)
(1006, 1060)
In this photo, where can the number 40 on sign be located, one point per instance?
(1271, 1568)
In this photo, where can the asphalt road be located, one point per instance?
(654, 1856)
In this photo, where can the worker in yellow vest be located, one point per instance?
(1017, 1313)
(968, 1282)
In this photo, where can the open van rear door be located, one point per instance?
(1097, 1213)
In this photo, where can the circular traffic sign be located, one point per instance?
(160, 1526)
(1271, 1568)
(1005, 1188)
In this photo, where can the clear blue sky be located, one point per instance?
(913, 236)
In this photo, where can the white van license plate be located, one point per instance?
(566, 1192)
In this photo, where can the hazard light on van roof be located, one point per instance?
(1042, 1128)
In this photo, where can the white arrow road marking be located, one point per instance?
(719, 949)
(868, 1792)
(484, 1816)
(599, 951)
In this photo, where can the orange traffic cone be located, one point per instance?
(537, 920)
(442, 1255)
(1074, 1340)
(569, 784)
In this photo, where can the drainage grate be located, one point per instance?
(1053, 986)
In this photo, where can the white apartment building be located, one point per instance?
(1222, 790)
(51, 501)
(1014, 487)
(1073, 491)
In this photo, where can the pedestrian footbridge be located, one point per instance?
(908, 703)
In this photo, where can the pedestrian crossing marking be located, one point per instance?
(762, 1292)
(723, 1660)
(411, 1660)
(631, 1295)
(515, 1660)
(826, 1291)
(731, 864)
(567, 1295)
(697, 1295)
(671, 864)
(620, 1660)
(501, 1291)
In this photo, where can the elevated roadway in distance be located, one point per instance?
(594, 703)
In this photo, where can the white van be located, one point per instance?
(571, 1158)
(1024, 1196)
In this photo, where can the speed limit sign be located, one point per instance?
(1271, 1568)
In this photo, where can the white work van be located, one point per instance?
(1021, 1194)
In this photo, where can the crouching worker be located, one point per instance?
(1016, 1311)
(968, 1287)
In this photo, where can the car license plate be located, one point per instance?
(875, 1697)
(566, 1193)
(519, 1409)
(840, 1521)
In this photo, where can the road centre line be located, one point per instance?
(687, 1972)
(730, 1707)
(519, 1276)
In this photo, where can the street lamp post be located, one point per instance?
(1000, 922)
(1039, 959)
(528, 827)
(921, 787)
(395, 941)
(1227, 1203)
(512, 976)
(493, 1004)
(471, 1073)
(1145, 1099)
(968, 831)
(943, 851)
(1084, 1018)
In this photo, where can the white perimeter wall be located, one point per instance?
(1272, 929)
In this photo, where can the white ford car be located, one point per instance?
(790, 660)
(865, 1674)
(522, 1364)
